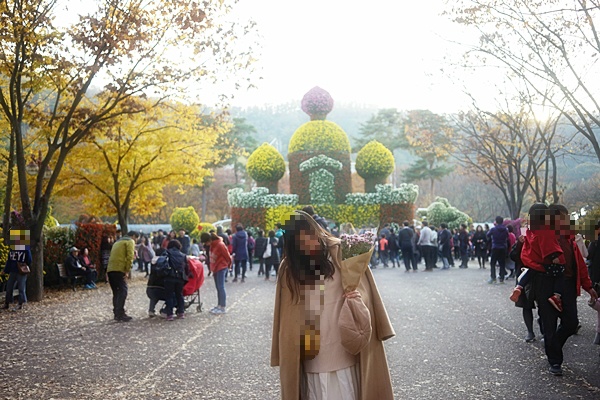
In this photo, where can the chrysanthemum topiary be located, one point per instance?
(319, 136)
(266, 166)
(316, 138)
(317, 103)
(184, 218)
(374, 163)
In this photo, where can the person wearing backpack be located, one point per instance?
(176, 280)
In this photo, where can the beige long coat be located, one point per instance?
(375, 382)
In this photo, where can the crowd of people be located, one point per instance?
(430, 245)
(551, 263)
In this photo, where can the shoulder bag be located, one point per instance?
(23, 268)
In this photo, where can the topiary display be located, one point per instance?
(319, 136)
(184, 218)
(317, 103)
(202, 227)
(324, 139)
(374, 163)
(266, 166)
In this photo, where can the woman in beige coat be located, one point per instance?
(315, 358)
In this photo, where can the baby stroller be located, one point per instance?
(191, 290)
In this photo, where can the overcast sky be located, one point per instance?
(384, 53)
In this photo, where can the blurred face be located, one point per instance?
(308, 242)
(85, 252)
(563, 224)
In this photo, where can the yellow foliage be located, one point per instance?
(126, 163)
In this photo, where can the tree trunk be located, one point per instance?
(8, 193)
(203, 210)
(123, 218)
(431, 186)
(35, 280)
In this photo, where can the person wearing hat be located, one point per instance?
(329, 321)
(74, 268)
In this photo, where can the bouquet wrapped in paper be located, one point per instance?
(355, 318)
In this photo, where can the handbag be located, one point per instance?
(23, 268)
(267, 253)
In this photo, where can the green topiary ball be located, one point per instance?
(374, 161)
(184, 218)
(265, 164)
(319, 136)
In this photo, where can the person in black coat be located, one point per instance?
(273, 260)
(74, 268)
(260, 246)
(480, 243)
(175, 282)
(593, 258)
(394, 248)
(407, 243)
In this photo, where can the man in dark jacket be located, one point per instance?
(393, 246)
(405, 240)
(499, 238)
(240, 251)
(175, 282)
(260, 246)
(184, 239)
(74, 268)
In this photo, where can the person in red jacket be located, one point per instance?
(542, 253)
(575, 277)
(220, 261)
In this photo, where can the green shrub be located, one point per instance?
(442, 211)
(184, 218)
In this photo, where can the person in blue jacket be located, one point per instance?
(19, 253)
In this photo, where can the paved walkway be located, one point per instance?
(457, 338)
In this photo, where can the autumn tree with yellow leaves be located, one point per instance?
(123, 167)
(61, 83)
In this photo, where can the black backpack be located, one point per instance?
(162, 267)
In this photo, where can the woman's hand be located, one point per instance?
(352, 295)
(593, 296)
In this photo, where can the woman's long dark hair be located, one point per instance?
(302, 269)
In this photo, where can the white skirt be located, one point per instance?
(343, 384)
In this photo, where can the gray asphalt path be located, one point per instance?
(457, 338)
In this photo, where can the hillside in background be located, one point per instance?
(278, 123)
